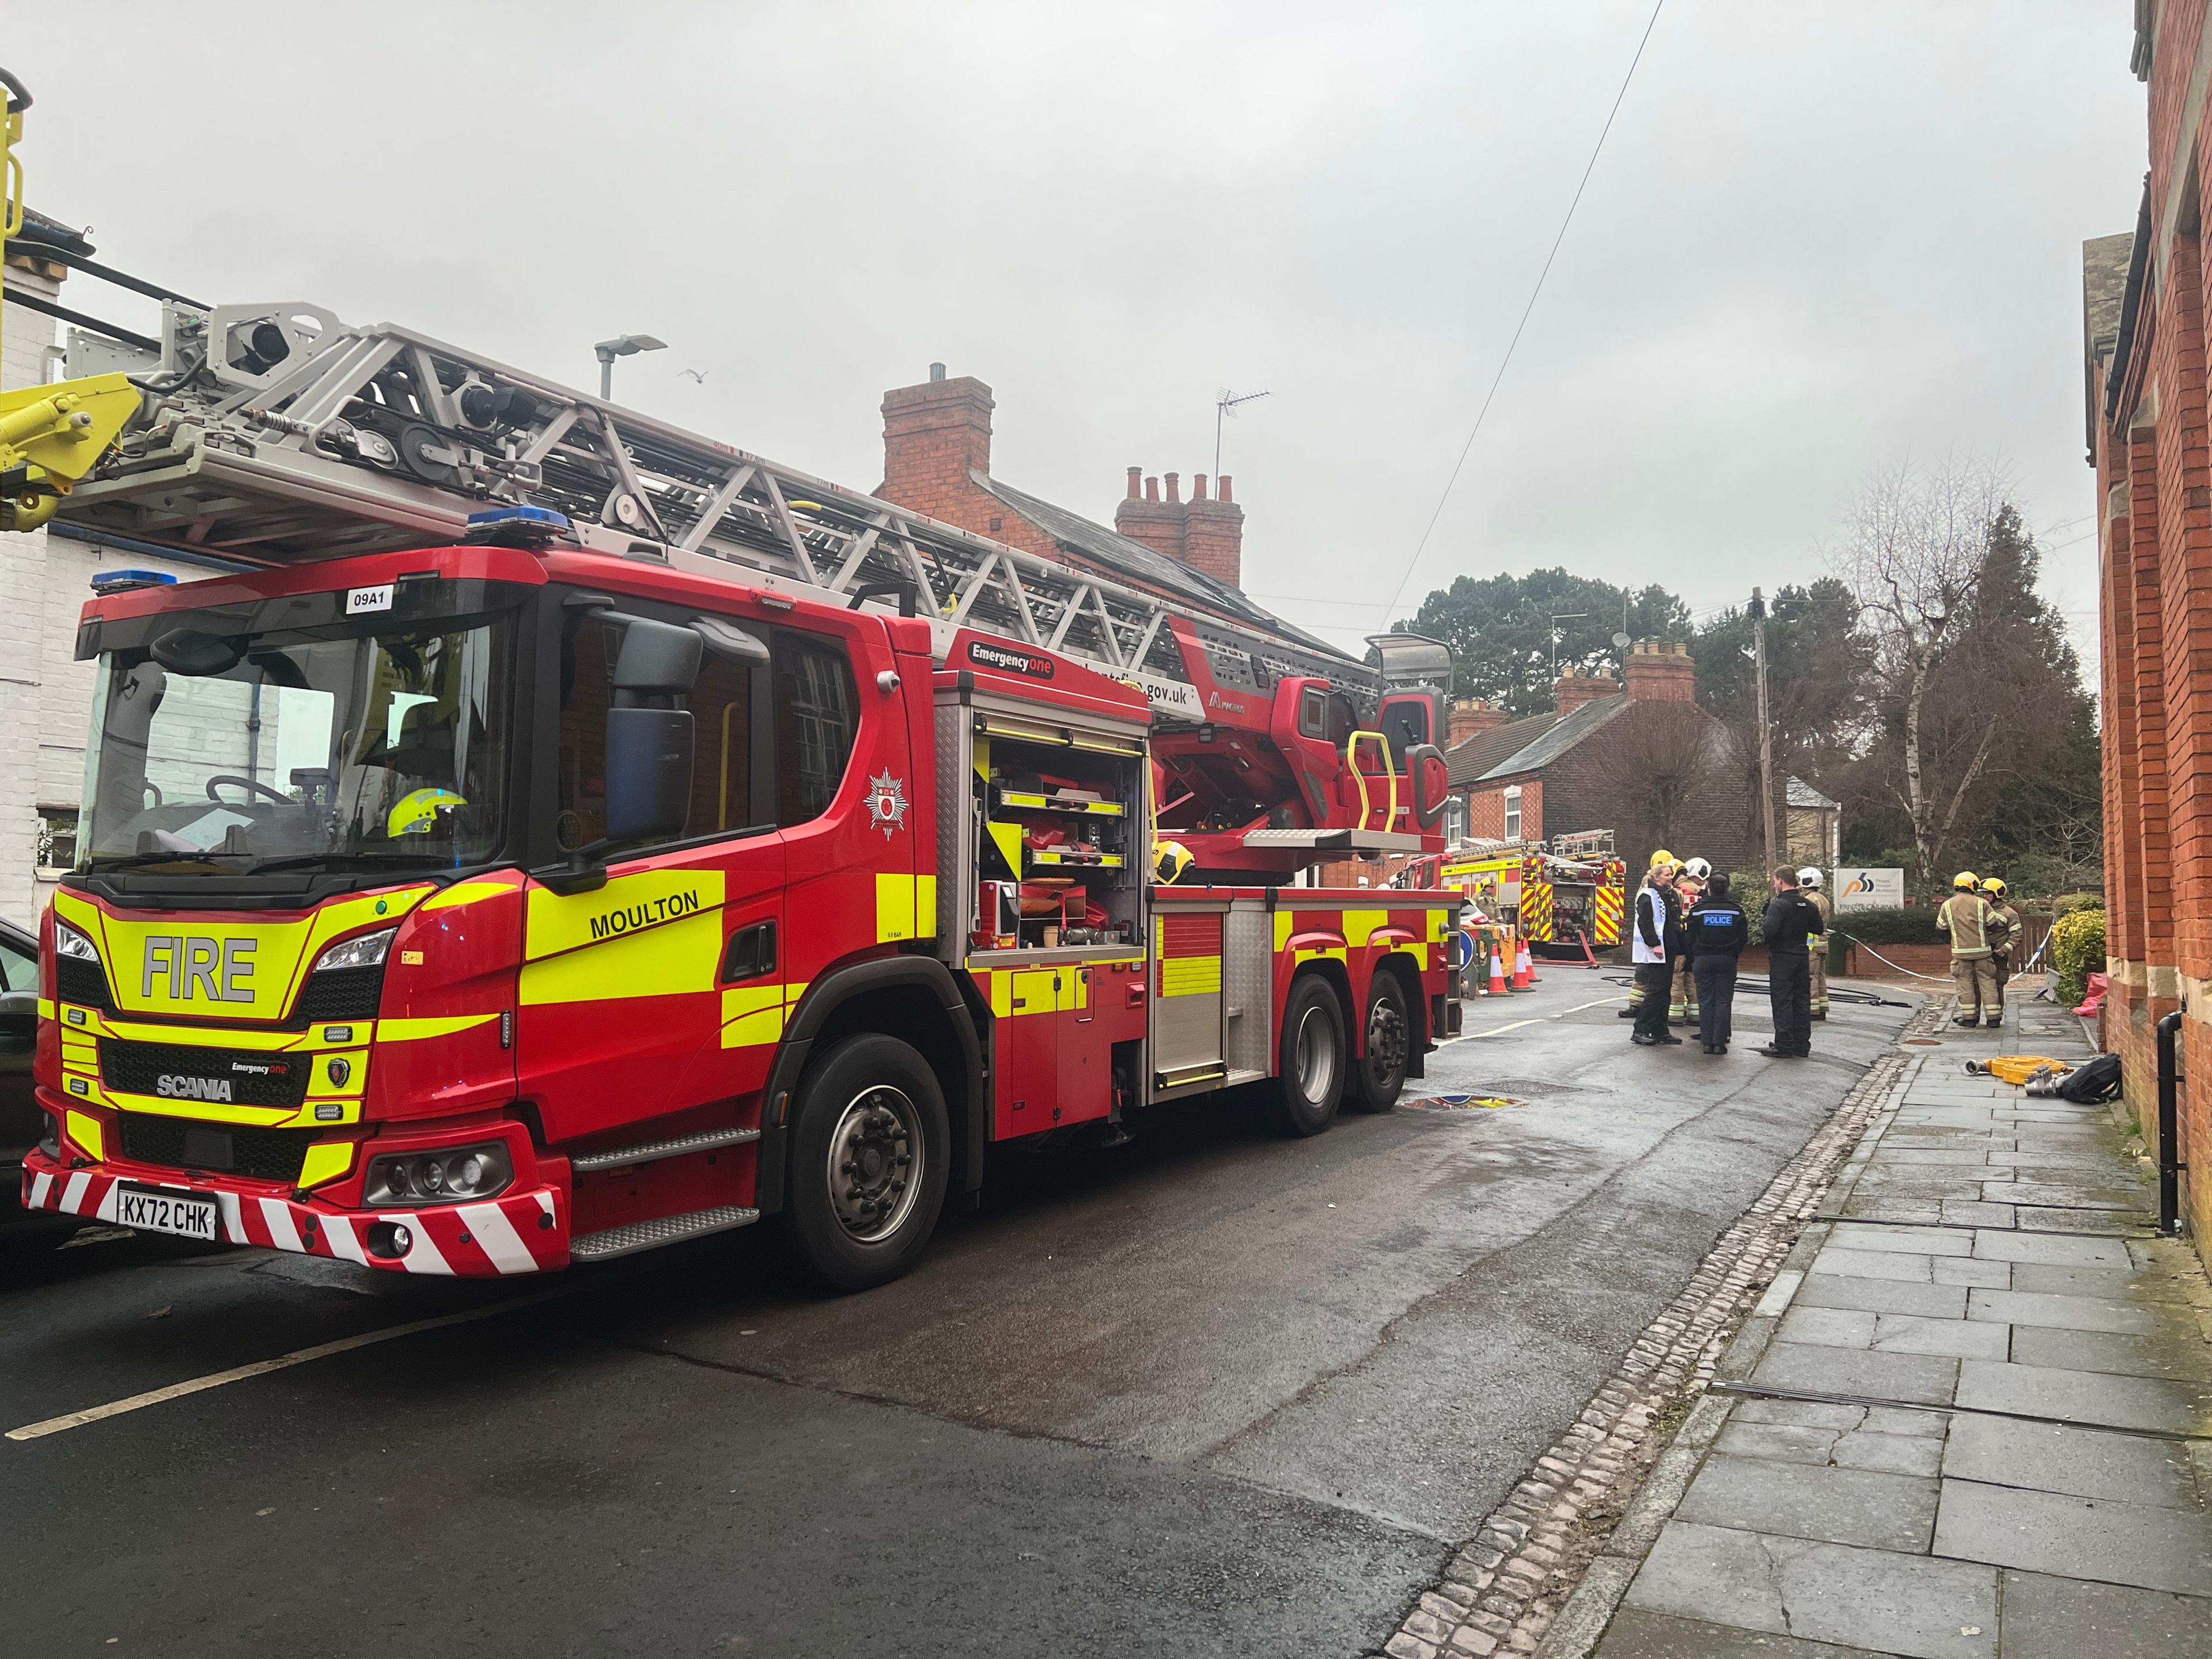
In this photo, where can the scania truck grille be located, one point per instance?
(178, 1071)
(178, 1143)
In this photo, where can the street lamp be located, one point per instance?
(627, 345)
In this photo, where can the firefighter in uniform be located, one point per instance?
(1967, 917)
(1809, 883)
(1994, 891)
(1689, 889)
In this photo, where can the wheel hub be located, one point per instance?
(1387, 1042)
(874, 1163)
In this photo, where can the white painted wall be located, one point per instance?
(45, 695)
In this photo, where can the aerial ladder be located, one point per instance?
(268, 434)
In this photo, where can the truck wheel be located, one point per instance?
(1310, 1079)
(1379, 1077)
(870, 1151)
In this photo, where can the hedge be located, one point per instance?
(2077, 951)
(2067, 903)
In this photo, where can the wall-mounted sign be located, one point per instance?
(1869, 890)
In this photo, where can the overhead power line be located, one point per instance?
(1504, 363)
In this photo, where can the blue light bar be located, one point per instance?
(534, 515)
(530, 528)
(123, 581)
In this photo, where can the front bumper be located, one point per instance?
(520, 1231)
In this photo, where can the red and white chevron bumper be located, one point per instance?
(519, 1232)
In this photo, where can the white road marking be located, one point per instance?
(1496, 1030)
(262, 1367)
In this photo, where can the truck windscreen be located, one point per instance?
(365, 732)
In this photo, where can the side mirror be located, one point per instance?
(657, 659)
(649, 748)
(649, 773)
(1431, 783)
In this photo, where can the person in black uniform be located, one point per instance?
(1790, 919)
(1718, 930)
(1657, 939)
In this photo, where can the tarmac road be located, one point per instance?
(1212, 1392)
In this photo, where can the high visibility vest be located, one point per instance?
(1637, 950)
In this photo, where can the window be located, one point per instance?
(56, 843)
(1455, 819)
(721, 705)
(1513, 813)
(816, 721)
(19, 968)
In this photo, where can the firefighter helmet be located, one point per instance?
(1662, 859)
(1808, 877)
(1993, 887)
(1964, 881)
(1170, 859)
(417, 813)
(1699, 868)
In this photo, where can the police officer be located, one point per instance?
(2002, 953)
(1717, 930)
(1655, 939)
(1816, 948)
(1790, 920)
(1967, 917)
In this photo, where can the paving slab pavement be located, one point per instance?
(1974, 1417)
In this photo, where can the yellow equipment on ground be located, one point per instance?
(2015, 1069)
(49, 435)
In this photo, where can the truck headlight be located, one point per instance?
(67, 942)
(365, 951)
(451, 1175)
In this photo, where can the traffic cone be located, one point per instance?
(1496, 974)
(1524, 970)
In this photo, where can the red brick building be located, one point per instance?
(937, 460)
(1573, 768)
(2143, 322)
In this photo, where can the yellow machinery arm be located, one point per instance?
(49, 435)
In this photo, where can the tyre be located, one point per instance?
(1312, 1057)
(1379, 1077)
(871, 1149)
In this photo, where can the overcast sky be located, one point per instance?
(1821, 239)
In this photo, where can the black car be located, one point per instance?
(22, 1122)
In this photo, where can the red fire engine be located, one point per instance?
(581, 836)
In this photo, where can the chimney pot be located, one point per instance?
(1175, 486)
(1198, 487)
(937, 371)
(1152, 489)
(1136, 481)
(1221, 488)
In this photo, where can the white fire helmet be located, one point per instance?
(1699, 869)
(1808, 877)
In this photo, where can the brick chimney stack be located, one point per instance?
(933, 434)
(1661, 671)
(1470, 716)
(1206, 532)
(1574, 689)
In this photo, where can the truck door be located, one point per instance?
(662, 990)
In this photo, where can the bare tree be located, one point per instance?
(1662, 766)
(1914, 555)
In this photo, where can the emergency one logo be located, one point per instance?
(887, 802)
